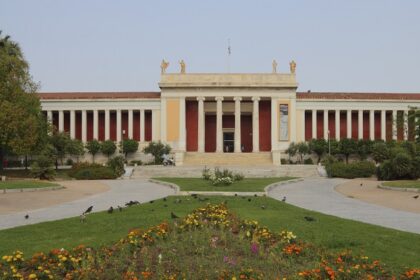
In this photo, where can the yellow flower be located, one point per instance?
(32, 276)
(233, 278)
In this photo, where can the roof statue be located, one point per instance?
(182, 64)
(163, 66)
(274, 66)
(292, 67)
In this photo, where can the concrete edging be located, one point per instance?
(268, 188)
(32, 189)
(414, 190)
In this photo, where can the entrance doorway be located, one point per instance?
(228, 142)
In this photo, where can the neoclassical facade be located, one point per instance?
(248, 116)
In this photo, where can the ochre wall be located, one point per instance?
(265, 125)
(191, 119)
(210, 134)
(172, 120)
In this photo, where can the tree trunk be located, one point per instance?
(1, 158)
(26, 162)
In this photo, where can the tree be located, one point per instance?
(347, 147)
(75, 148)
(318, 146)
(60, 141)
(291, 150)
(302, 149)
(157, 149)
(108, 148)
(364, 148)
(129, 146)
(380, 152)
(20, 110)
(42, 168)
(93, 147)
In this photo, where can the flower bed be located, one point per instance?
(209, 243)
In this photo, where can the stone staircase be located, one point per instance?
(228, 159)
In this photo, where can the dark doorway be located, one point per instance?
(228, 142)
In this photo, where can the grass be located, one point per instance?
(246, 185)
(61, 174)
(395, 248)
(25, 184)
(403, 184)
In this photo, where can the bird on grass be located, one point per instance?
(178, 200)
(173, 216)
(110, 210)
(82, 218)
(255, 195)
(132, 202)
(236, 194)
(164, 199)
(194, 195)
(249, 200)
(151, 201)
(26, 216)
(309, 219)
(263, 207)
(119, 208)
(88, 210)
(284, 199)
(416, 196)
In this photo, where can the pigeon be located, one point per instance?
(194, 195)
(416, 196)
(119, 208)
(178, 200)
(82, 218)
(164, 199)
(249, 200)
(26, 216)
(284, 199)
(110, 210)
(173, 216)
(132, 202)
(236, 194)
(255, 195)
(263, 207)
(309, 219)
(151, 201)
(88, 210)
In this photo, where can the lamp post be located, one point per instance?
(329, 143)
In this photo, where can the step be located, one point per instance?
(222, 159)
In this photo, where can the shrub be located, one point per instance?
(401, 165)
(221, 177)
(129, 146)
(134, 162)
(361, 169)
(385, 171)
(69, 161)
(318, 146)
(157, 150)
(108, 148)
(283, 161)
(380, 152)
(93, 148)
(117, 165)
(238, 177)
(328, 160)
(308, 161)
(42, 168)
(94, 173)
(206, 173)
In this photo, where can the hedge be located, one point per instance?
(94, 173)
(360, 169)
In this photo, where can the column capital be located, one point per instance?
(256, 98)
(201, 98)
(237, 98)
(219, 98)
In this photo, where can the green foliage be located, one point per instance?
(129, 146)
(380, 152)
(21, 121)
(134, 162)
(333, 147)
(291, 150)
(75, 148)
(308, 161)
(42, 168)
(60, 141)
(401, 165)
(302, 149)
(364, 148)
(91, 171)
(360, 169)
(415, 167)
(157, 149)
(221, 177)
(329, 159)
(117, 165)
(93, 147)
(318, 146)
(409, 147)
(108, 148)
(385, 171)
(347, 147)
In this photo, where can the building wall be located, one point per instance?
(172, 120)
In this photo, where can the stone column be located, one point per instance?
(383, 125)
(130, 124)
(337, 125)
(394, 125)
(84, 126)
(349, 124)
(182, 129)
(219, 124)
(314, 124)
(405, 124)
(256, 125)
(201, 124)
(237, 124)
(61, 120)
(274, 125)
(107, 125)
(360, 125)
(142, 128)
(119, 131)
(156, 114)
(72, 124)
(326, 129)
(50, 116)
(372, 124)
(95, 124)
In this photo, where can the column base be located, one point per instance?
(179, 158)
(276, 156)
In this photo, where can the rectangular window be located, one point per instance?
(284, 122)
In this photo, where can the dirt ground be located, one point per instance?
(369, 192)
(23, 201)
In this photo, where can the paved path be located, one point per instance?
(121, 191)
(318, 194)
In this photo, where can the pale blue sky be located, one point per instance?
(84, 45)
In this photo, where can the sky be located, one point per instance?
(104, 45)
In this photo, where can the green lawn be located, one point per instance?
(25, 184)
(403, 184)
(246, 185)
(395, 248)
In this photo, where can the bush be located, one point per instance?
(401, 165)
(283, 161)
(129, 146)
(361, 169)
(117, 165)
(94, 173)
(157, 150)
(221, 177)
(69, 161)
(384, 171)
(328, 159)
(108, 148)
(308, 161)
(42, 168)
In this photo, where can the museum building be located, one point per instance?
(229, 116)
